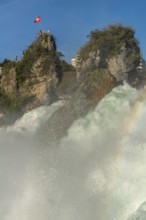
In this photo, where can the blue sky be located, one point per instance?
(69, 21)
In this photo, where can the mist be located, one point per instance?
(95, 172)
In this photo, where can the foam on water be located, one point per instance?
(96, 172)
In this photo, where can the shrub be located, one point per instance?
(7, 65)
(110, 41)
(49, 58)
(66, 67)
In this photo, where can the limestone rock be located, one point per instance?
(8, 83)
(31, 81)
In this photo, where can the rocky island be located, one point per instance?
(110, 57)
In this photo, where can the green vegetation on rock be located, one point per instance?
(7, 65)
(110, 41)
(35, 76)
(49, 58)
(66, 67)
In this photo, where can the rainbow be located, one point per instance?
(133, 120)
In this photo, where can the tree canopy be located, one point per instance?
(110, 40)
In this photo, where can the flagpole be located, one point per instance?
(38, 21)
(40, 24)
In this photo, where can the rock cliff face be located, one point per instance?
(117, 66)
(109, 58)
(41, 79)
(32, 81)
(114, 49)
(120, 66)
(8, 82)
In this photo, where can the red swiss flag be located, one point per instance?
(37, 20)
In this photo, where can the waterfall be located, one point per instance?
(95, 172)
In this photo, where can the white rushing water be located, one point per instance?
(96, 172)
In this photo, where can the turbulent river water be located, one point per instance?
(97, 172)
